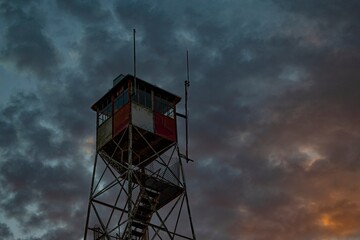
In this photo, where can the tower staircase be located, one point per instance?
(155, 192)
(145, 207)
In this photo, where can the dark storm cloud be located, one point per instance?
(161, 49)
(26, 44)
(335, 15)
(87, 12)
(41, 184)
(296, 112)
(274, 121)
(29, 180)
(336, 11)
(5, 231)
(147, 16)
(67, 106)
(8, 136)
(25, 117)
(110, 49)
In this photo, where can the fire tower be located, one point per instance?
(138, 188)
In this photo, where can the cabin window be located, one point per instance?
(121, 100)
(105, 114)
(164, 106)
(143, 97)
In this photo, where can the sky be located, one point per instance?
(274, 110)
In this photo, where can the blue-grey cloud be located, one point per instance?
(274, 119)
(26, 45)
(5, 231)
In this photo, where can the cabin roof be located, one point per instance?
(124, 81)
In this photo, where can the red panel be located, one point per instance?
(121, 119)
(165, 126)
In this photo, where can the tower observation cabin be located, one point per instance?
(150, 109)
(138, 190)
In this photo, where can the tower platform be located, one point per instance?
(146, 147)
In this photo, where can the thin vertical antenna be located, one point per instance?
(134, 46)
(187, 85)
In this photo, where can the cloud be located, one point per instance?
(274, 120)
(26, 44)
(40, 173)
(5, 231)
(84, 11)
(8, 136)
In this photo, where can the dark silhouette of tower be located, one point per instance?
(138, 188)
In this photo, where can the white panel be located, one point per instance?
(142, 117)
(104, 133)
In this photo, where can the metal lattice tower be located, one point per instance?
(138, 188)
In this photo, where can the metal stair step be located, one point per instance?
(136, 233)
(141, 217)
(145, 210)
(139, 225)
(146, 204)
(146, 201)
(152, 194)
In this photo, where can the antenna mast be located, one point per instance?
(187, 85)
(134, 47)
